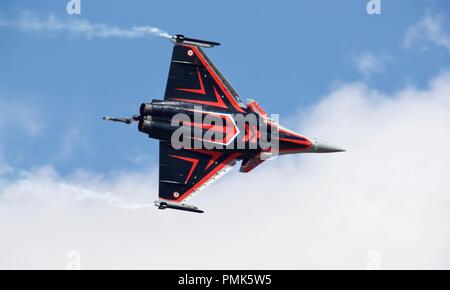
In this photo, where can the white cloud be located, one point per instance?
(432, 28)
(5, 168)
(389, 193)
(20, 115)
(73, 140)
(31, 22)
(17, 118)
(368, 63)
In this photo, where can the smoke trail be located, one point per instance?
(45, 183)
(82, 194)
(30, 22)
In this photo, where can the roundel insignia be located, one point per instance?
(190, 52)
(176, 194)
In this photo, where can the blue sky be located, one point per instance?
(286, 55)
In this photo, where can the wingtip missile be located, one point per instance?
(184, 207)
(180, 39)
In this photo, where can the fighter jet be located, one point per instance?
(204, 129)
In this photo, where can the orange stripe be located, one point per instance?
(217, 79)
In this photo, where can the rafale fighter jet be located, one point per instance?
(199, 99)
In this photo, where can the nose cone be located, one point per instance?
(320, 146)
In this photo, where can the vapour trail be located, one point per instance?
(31, 22)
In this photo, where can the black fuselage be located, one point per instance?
(206, 127)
